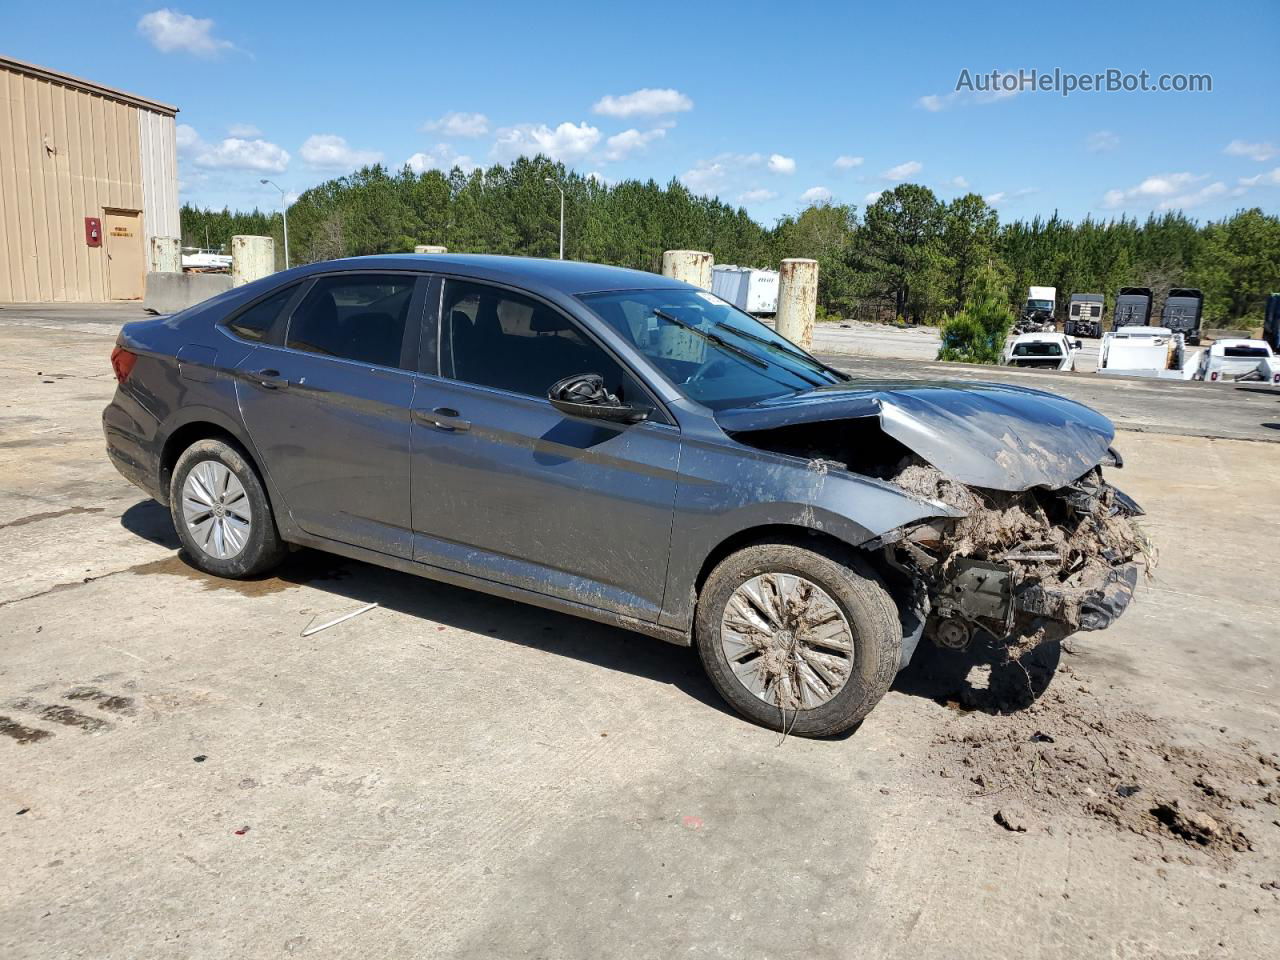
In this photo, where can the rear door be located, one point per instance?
(326, 396)
(507, 488)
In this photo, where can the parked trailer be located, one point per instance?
(747, 288)
(1182, 311)
(1133, 308)
(1137, 350)
(1084, 316)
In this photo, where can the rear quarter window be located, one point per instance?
(255, 323)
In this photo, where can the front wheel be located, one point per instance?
(221, 512)
(796, 639)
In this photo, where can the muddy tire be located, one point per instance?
(815, 684)
(221, 512)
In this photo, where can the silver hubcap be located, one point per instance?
(216, 509)
(787, 641)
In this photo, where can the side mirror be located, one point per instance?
(1078, 345)
(584, 395)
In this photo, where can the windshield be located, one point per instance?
(1040, 304)
(1037, 350)
(718, 355)
(1246, 352)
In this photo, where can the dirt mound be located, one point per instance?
(1074, 754)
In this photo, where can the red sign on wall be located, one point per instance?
(92, 232)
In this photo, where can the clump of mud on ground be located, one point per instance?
(1073, 754)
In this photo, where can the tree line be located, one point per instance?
(909, 256)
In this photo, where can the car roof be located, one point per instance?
(1038, 338)
(531, 273)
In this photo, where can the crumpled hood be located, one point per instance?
(983, 434)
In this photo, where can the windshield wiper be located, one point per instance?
(713, 339)
(790, 351)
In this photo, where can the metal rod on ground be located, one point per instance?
(691, 266)
(797, 300)
(337, 620)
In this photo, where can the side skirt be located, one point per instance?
(680, 638)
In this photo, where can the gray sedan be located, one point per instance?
(630, 449)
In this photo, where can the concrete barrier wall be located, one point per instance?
(170, 292)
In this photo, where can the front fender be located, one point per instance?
(723, 492)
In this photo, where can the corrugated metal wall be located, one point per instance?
(158, 147)
(66, 154)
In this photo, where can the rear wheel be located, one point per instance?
(221, 513)
(796, 639)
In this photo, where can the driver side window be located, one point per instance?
(496, 338)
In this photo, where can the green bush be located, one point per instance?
(977, 333)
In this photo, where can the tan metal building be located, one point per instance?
(88, 175)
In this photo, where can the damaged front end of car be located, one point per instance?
(1036, 544)
(1024, 567)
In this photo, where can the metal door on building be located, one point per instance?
(126, 256)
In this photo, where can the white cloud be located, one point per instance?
(1261, 152)
(960, 183)
(621, 144)
(1008, 196)
(332, 151)
(233, 153)
(760, 195)
(711, 175)
(780, 164)
(646, 102)
(442, 158)
(170, 31)
(455, 124)
(903, 170)
(1101, 141)
(872, 197)
(568, 141)
(995, 199)
(815, 195)
(935, 103)
(847, 162)
(1159, 186)
(599, 178)
(243, 130)
(1269, 179)
(1210, 191)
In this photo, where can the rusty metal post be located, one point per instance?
(691, 266)
(797, 300)
(430, 248)
(166, 256)
(252, 258)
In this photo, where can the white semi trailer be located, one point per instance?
(747, 288)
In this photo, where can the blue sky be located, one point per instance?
(765, 105)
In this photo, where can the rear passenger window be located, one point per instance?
(360, 317)
(496, 338)
(255, 323)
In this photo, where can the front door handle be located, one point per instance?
(443, 418)
(270, 379)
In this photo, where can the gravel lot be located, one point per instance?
(452, 775)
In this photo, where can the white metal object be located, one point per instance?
(797, 300)
(1155, 352)
(691, 266)
(430, 248)
(1237, 359)
(750, 289)
(252, 258)
(337, 620)
(165, 255)
(787, 641)
(284, 213)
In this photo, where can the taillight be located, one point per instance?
(1214, 375)
(122, 362)
(1276, 378)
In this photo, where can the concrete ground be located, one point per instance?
(453, 775)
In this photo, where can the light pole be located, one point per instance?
(284, 212)
(552, 181)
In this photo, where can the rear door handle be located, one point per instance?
(270, 379)
(442, 418)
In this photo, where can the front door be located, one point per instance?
(507, 488)
(126, 261)
(328, 410)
